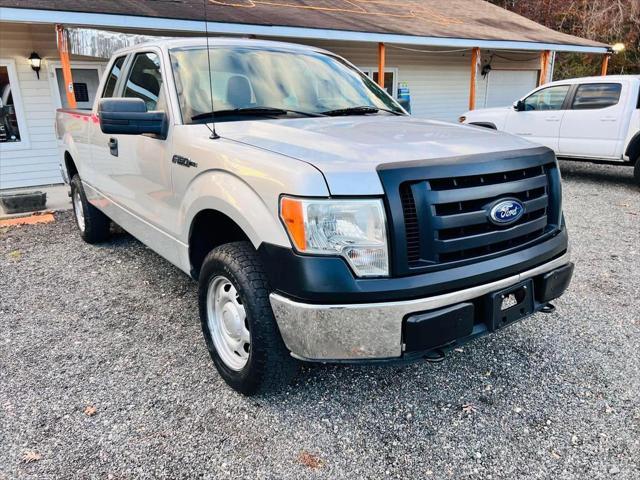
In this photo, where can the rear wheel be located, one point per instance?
(238, 324)
(92, 223)
(636, 171)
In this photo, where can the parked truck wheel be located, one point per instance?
(238, 324)
(92, 223)
(636, 171)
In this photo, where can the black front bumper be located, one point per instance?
(457, 324)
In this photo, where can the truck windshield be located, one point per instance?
(255, 82)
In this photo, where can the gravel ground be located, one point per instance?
(104, 374)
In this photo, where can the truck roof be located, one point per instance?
(169, 43)
(600, 78)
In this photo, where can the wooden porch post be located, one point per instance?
(381, 63)
(475, 56)
(605, 65)
(63, 50)
(544, 67)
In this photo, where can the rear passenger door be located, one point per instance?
(592, 125)
(104, 165)
(540, 120)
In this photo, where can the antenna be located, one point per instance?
(214, 135)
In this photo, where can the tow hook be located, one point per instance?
(548, 308)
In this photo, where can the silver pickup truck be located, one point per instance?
(322, 222)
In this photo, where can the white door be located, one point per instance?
(541, 117)
(86, 80)
(591, 127)
(505, 86)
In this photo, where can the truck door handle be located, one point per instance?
(608, 119)
(552, 119)
(113, 146)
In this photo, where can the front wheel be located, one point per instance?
(238, 323)
(636, 171)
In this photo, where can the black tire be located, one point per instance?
(636, 171)
(96, 224)
(270, 366)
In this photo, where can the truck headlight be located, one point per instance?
(353, 229)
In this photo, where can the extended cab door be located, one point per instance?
(592, 125)
(540, 120)
(102, 164)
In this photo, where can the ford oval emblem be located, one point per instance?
(506, 211)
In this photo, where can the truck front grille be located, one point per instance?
(446, 220)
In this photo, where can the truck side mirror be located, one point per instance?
(519, 106)
(129, 116)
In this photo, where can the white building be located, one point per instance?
(445, 54)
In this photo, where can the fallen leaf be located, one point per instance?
(90, 410)
(309, 460)
(31, 456)
(555, 454)
(15, 255)
(469, 408)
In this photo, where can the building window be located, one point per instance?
(10, 113)
(390, 78)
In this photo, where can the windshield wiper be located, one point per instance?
(360, 110)
(252, 111)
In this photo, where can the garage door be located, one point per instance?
(507, 86)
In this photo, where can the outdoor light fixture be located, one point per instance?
(617, 47)
(36, 63)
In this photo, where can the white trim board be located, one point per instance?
(8, 14)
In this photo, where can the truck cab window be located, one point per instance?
(145, 81)
(112, 80)
(550, 98)
(597, 95)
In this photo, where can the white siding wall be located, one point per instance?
(439, 82)
(38, 164)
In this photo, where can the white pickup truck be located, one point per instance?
(322, 221)
(592, 118)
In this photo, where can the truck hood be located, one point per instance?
(348, 150)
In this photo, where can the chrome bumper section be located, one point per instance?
(370, 330)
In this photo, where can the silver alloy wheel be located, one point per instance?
(227, 321)
(77, 208)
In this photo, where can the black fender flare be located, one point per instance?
(633, 149)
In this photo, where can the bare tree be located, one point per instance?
(607, 21)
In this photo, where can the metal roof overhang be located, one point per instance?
(8, 14)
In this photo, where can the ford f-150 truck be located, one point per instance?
(322, 222)
(592, 118)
